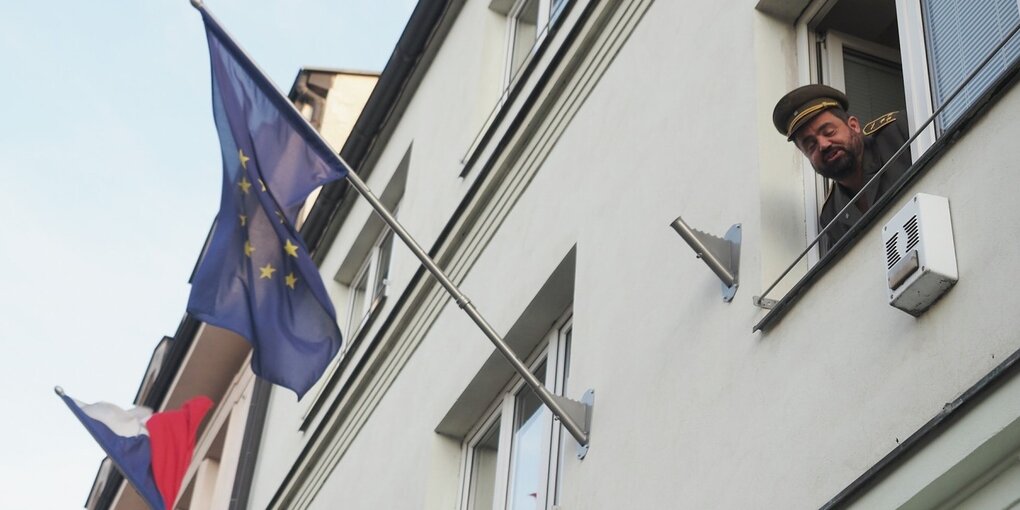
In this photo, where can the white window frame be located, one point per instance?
(916, 81)
(913, 58)
(835, 44)
(513, 22)
(374, 290)
(555, 353)
(494, 416)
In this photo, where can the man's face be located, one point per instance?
(834, 147)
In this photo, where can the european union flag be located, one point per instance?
(256, 277)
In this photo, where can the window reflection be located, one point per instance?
(528, 438)
(525, 34)
(483, 469)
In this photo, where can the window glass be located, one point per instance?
(484, 458)
(528, 459)
(370, 284)
(557, 8)
(383, 267)
(961, 33)
(525, 33)
(357, 301)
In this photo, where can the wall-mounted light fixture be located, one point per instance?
(721, 255)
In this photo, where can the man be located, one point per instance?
(815, 119)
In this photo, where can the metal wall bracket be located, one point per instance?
(721, 255)
(580, 412)
(764, 302)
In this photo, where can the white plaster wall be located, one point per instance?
(617, 178)
(692, 409)
(883, 372)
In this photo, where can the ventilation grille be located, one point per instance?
(912, 235)
(892, 255)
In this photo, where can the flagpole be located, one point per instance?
(575, 416)
(550, 400)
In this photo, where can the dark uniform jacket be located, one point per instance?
(882, 138)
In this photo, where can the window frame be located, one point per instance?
(511, 90)
(924, 150)
(493, 417)
(554, 352)
(541, 28)
(375, 290)
(826, 66)
(818, 65)
(917, 83)
(916, 77)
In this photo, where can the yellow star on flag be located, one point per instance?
(248, 248)
(267, 271)
(245, 185)
(263, 185)
(290, 248)
(244, 219)
(290, 280)
(244, 159)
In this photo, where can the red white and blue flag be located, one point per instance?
(152, 450)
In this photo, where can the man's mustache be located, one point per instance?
(829, 151)
(832, 148)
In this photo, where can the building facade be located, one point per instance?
(539, 150)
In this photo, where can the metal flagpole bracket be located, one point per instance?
(580, 412)
(721, 255)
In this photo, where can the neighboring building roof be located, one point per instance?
(395, 82)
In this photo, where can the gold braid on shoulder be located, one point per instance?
(879, 123)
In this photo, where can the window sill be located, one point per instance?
(995, 90)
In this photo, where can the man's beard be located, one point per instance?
(842, 167)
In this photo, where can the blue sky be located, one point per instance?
(109, 181)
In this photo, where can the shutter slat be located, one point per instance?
(960, 34)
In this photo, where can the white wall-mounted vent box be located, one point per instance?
(920, 256)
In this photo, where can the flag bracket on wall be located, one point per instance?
(722, 255)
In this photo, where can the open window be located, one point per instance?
(852, 45)
(918, 57)
(858, 46)
(907, 56)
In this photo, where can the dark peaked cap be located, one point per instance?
(803, 104)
